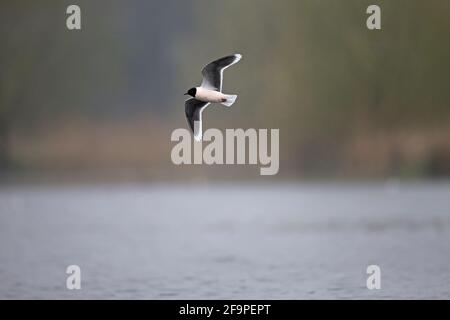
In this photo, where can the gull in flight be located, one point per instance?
(210, 91)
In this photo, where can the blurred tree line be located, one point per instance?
(117, 67)
(346, 99)
(324, 78)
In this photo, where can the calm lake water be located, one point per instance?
(246, 241)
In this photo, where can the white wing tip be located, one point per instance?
(198, 131)
(238, 56)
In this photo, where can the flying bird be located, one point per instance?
(210, 91)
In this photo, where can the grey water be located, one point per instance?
(225, 241)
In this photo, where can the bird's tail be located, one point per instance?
(231, 98)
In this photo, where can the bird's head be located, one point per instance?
(191, 92)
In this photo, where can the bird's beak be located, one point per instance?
(186, 94)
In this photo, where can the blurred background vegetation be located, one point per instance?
(102, 102)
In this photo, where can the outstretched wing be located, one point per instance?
(213, 72)
(194, 109)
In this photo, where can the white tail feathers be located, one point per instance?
(231, 98)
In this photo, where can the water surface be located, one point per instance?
(285, 241)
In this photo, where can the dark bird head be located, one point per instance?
(192, 92)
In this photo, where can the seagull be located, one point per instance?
(210, 91)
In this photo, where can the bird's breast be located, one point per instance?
(209, 95)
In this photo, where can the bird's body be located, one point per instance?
(210, 91)
(207, 95)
